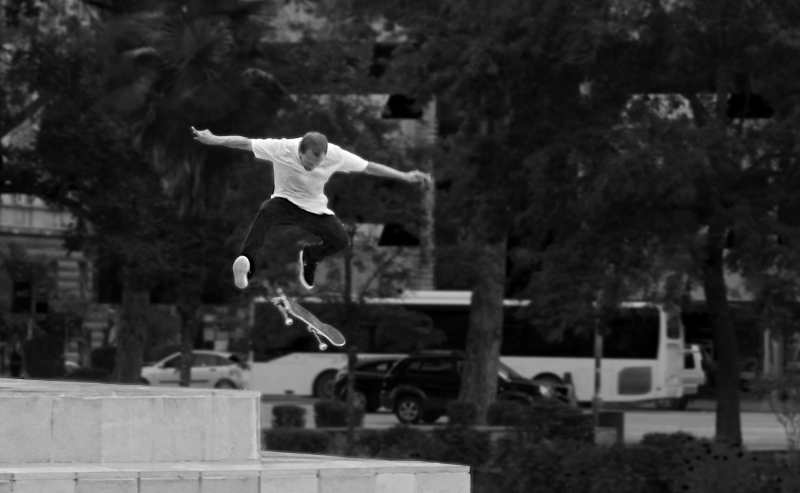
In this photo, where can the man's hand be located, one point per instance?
(203, 136)
(420, 178)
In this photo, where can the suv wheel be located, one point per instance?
(408, 409)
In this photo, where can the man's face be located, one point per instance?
(311, 159)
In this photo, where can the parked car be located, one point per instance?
(214, 369)
(419, 387)
(368, 376)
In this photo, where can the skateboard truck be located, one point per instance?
(281, 303)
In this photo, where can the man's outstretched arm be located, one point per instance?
(232, 141)
(384, 171)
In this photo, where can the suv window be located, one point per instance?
(431, 366)
(379, 366)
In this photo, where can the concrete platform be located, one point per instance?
(55, 421)
(66, 437)
(273, 473)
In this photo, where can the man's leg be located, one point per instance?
(273, 212)
(333, 238)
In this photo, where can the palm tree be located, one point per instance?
(169, 66)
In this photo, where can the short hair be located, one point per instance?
(314, 141)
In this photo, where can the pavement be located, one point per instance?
(746, 404)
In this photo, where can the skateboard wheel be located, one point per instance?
(323, 346)
(288, 322)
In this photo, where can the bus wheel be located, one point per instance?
(676, 404)
(323, 385)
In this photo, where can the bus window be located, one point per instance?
(673, 326)
(632, 334)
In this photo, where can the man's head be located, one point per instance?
(313, 148)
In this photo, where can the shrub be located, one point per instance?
(507, 413)
(103, 358)
(552, 419)
(368, 443)
(461, 413)
(288, 416)
(296, 440)
(44, 356)
(719, 468)
(405, 442)
(521, 466)
(594, 468)
(333, 413)
(460, 445)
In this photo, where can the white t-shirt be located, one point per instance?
(306, 189)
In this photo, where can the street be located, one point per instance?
(760, 430)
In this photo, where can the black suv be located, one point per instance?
(368, 375)
(419, 387)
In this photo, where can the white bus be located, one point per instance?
(643, 346)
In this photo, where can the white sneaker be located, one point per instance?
(306, 272)
(241, 267)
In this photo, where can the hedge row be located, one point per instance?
(674, 463)
(327, 413)
(549, 450)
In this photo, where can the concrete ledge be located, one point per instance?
(55, 422)
(273, 473)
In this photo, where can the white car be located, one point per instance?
(214, 369)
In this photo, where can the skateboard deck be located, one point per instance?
(291, 309)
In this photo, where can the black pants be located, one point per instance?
(279, 212)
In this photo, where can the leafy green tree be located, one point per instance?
(506, 79)
(169, 66)
(736, 161)
(700, 181)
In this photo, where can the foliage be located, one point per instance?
(404, 442)
(103, 358)
(783, 395)
(333, 413)
(507, 413)
(461, 445)
(543, 420)
(506, 83)
(288, 416)
(461, 413)
(296, 440)
(704, 176)
(656, 138)
(662, 463)
(44, 356)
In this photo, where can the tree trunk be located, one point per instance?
(485, 333)
(131, 335)
(189, 326)
(728, 420)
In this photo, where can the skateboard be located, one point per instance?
(291, 309)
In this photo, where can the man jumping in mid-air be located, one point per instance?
(301, 168)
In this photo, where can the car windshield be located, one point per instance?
(507, 372)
